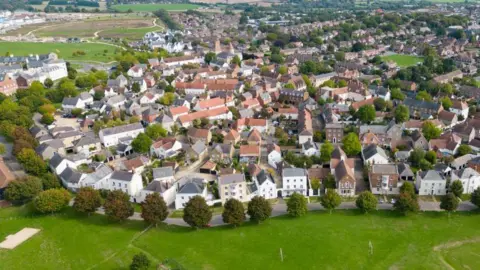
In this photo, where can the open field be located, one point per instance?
(94, 51)
(316, 241)
(89, 27)
(154, 7)
(129, 33)
(403, 60)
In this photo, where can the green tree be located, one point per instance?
(463, 150)
(297, 205)
(117, 206)
(233, 212)
(140, 261)
(77, 112)
(2, 149)
(154, 209)
(167, 99)
(408, 187)
(402, 114)
(236, 60)
(423, 95)
(416, 156)
(142, 143)
(449, 203)
(48, 83)
(32, 163)
(340, 56)
(396, 93)
(456, 187)
(210, 57)
(446, 103)
(23, 190)
(47, 119)
(475, 199)
(52, 200)
(47, 108)
(351, 144)
(196, 213)
(259, 209)
(326, 152)
(366, 202)
(315, 183)
(430, 131)
(282, 70)
(431, 157)
(380, 104)
(136, 87)
(406, 203)
(88, 200)
(330, 200)
(366, 113)
(50, 181)
(156, 131)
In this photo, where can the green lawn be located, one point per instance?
(94, 52)
(130, 33)
(403, 60)
(154, 7)
(316, 241)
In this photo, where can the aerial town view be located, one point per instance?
(239, 134)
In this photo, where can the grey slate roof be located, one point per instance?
(431, 175)
(162, 172)
(55, 160)
(121, 129)
(71, 176)
(231, 179)
(157, 186)
(372, 150)
(122, 176)
(263, 176)
(294, 172)
(199, 147)
(195, 186)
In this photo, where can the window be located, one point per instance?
(226, 193)
(378, 189)
(182, 197)
(125, 185)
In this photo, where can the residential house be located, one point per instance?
(294, 181)
(422, 109)
(193, 187)
(384, 179)
(165, 148)
(6, 176)
(198, 151)
(8, 86)
(246, 123)
(265, 185)
(249, 153)
(176, 112)
(111, 136)
(460, 108)
(274, 155)
(449, 119)
(431, 183)
(254, 138)
(470, 179)
(197, 134)
(342, 168)
(232, 137)
(334, 132)
(222, 152)
(310, 148)
(130, 183)
(373, 154)
(233, 186)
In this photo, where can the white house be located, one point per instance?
(233, 186)
(194, 187)
(58, 164)
(117, 101)
(274, 155)
(167, 190)
(165, 148)
(294, 180)
(470, 179)
(111, 136)
(266, 186)
(69, 104)
(135, 71)
(130, 183)
(460, 108)
(373, 154)
(431, 183)
(310, 148)
(163, 174)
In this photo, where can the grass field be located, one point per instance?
(403, 60)
(129, 33)
(154, 7)
(94, 52)
(316, 241)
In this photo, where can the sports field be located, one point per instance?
(342, 240)
(154, 7)
(93, 51)
(403, 60)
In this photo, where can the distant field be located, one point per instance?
(129, 33)
(153, 7)
(94, 52)
(403, 60)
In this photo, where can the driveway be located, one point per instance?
(361, 185)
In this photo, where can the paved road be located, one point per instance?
(280, 209)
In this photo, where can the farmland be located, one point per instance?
(382, 240)
(93, 51)
(153, 7)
